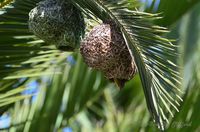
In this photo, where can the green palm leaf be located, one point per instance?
(4, 3)
(24, 59)
(174, 14)
(22, 54)
(141, 38)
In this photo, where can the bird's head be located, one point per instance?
(120, 83)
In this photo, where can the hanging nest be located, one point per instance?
(58, 22)
(104, 49)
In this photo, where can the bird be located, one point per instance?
(120, 83)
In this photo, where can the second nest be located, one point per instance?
(104, 49)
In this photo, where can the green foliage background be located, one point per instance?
(69, 94)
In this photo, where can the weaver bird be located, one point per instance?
(120, 83)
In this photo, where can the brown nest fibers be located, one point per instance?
(104, 49)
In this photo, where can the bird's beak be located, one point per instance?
(120, 83)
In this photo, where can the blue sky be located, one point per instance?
(149, 4)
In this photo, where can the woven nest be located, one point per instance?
(58, 22)
(104, 49)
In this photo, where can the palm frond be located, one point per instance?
(23, 56)
(57, 103)
(190, 60)
(172, 9)
(25, 59)
(4, 3)
(141, 38)
(5, 98)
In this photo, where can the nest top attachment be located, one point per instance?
(104, 49)
(58, 22)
